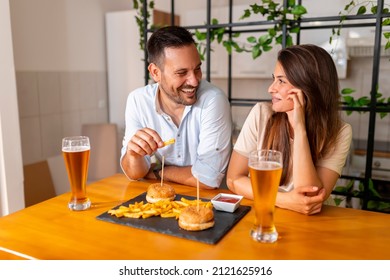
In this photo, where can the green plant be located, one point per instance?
(376, 204)
(274, 12)
(215, 34)
(281, 16)
(364, 101)
(345, 191)
(361, 8)
(348, 191)
(139, 6)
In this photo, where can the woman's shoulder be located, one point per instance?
(265, 106)
(262, 109)
(345, 133)
(345, 129)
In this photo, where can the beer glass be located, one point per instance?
(75, 151)
(265, 169)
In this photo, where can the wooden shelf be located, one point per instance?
(362, 152)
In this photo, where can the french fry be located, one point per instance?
(132, 215)
(164, 209)
(168, 215)
(169, 142)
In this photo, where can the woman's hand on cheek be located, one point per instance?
(298, 98)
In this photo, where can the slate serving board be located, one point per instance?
(224, 221)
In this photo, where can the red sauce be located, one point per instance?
(227, 199)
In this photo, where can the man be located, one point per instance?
(182, 106)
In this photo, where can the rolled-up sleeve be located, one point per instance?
(336, 159)
(214, 148)
(132, 122)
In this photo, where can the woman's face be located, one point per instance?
(280, 91)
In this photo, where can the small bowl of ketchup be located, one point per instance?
(226, 202)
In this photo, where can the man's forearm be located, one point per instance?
(134, 167)
(181, 175)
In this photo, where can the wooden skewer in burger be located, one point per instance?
(196, 217)
(160, 191)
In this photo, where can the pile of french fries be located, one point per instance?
(164, 209)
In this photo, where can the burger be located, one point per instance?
(158, 191)
(194, 218)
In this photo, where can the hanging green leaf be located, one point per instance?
(289, 41)
(340, 189)
(263, 39)
(291, 3)
(200, 35)
(386, 22)
(256, 52)
(299, 10)
(349, 99)
(363, 101)
(347, 91)
(272, 32)
(346, 8)
(372, 189)
(279, 39)
(362, 10)
(338, 200)
(387, 45)
(252, 39)
(228, 46)
(372, 205)
(267, 48)
(295, 29)
(247, 13)
(382, 205)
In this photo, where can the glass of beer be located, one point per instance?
(265, 169)
(76, 150)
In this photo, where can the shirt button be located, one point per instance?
(178, 156)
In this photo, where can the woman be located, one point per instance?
(303, 122)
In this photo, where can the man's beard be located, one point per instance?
(177, 98)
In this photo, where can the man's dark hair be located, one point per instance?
(167, 37)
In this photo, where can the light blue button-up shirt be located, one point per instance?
(203, 138)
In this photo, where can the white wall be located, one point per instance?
(60, 65)
(11, 172)
(60, 62)
(62, 34)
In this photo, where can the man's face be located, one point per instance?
(180, 74)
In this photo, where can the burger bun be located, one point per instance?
(157, 192)
(193, 219)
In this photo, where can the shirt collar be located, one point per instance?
(157, 104)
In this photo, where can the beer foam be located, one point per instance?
(266, 165)
(75, 149)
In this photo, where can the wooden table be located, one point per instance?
(49, 230)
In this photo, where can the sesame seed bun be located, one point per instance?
(193, 220)
(157, 192)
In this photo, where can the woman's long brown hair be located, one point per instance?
(311, 69)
